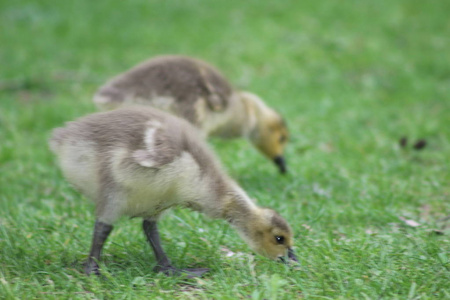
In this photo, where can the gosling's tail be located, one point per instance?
(108, 98)
(56, 140)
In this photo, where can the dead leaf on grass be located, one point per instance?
(371, 231)
(409, 222)
(228, 253)
(307, 227)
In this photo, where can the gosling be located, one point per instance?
(197, 92)
(139, 162)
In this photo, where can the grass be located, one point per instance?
(351, 78)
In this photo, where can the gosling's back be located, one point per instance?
(176, 84)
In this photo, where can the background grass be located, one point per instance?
(351, 78)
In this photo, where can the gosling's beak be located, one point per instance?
(292, 255)
(281, 163)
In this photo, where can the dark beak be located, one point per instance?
(292, 255)
(281, 163)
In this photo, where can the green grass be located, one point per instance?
(350, 77)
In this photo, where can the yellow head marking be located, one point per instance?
(272, 136)
(268, 133)
(271, 235)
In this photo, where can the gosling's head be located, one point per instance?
(269, 235)
(270, 133)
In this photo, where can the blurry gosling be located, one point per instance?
(197, 92)
(139, 162)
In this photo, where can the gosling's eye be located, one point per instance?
(279, 239)
(283, 139)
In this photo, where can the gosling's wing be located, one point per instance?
(217, 89)
(162, 143)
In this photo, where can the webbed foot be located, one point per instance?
(91, 267)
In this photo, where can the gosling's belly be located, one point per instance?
(149, 192)
(149, 201)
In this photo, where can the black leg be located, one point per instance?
(152, 233)
(163, 262)
(101, 233)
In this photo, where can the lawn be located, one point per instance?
(350, 77)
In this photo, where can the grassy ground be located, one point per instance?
(351, 78)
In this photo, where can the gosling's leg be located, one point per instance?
(164, 265)
(101, 233)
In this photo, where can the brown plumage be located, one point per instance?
(197, 92)
(139, 162)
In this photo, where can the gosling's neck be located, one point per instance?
(233, 205)
(240, 211)
(241, 118)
